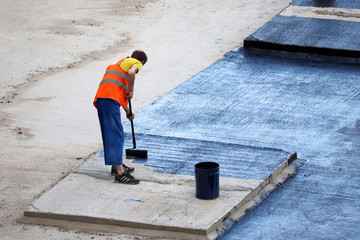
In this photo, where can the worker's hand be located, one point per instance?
(130, 117)
(130, 95)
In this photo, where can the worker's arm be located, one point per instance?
(128, 116)
(131, 79)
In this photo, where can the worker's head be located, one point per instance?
(139, 55)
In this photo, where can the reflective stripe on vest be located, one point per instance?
(120, 74)
(120, 84)
(116, 85)
(117, 82)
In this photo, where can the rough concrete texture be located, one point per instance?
(166, 202)
(37, 151)
(53, 57)
(275, 101)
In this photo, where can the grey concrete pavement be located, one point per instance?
(311, 106)
(162, 205)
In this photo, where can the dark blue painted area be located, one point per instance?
(308, 35)
(250, 110)
(329, 3)
(265, 102)
(318, 203)
(179, 155)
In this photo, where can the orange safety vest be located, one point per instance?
(114, 85)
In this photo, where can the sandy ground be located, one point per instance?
(54, 54)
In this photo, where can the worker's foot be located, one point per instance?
(126, 169)
(126, 178)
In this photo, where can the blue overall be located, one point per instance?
(111, 130)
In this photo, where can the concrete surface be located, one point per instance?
(320, 202)
(53, 55)
(164, 204)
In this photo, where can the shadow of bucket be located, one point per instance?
(207, 180)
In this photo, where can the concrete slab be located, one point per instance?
(162, 202)
(308, 35)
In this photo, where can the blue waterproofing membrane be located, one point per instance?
(308, 35)
(318, 203)
(179, 155)
(329, 3)
(311, 106)
(257, 106)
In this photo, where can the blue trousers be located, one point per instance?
(111, 130)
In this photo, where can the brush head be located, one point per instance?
(136, 153)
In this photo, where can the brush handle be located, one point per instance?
(132, 126)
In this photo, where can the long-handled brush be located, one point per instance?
(133, 152)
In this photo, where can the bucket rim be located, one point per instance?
(207, 165)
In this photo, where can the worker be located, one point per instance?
(115, 90)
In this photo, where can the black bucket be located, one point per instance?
(207, 180)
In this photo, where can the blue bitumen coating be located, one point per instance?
(318, 203)
(270, 103)
(261, 107)
(179, 155)
(308, 35)
(329, 3)
(313, 107)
